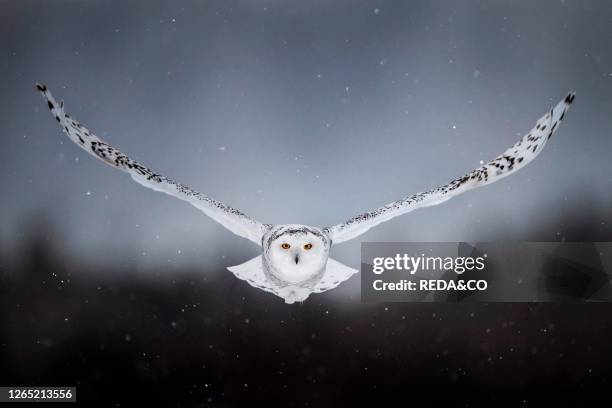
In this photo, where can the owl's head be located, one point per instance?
(296, 253)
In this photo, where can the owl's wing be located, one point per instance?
(230, 218)
(523, 152)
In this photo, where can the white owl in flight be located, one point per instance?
(295, 258)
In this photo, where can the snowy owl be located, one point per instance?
(295, 258)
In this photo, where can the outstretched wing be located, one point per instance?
(230, 218)
(524, 151)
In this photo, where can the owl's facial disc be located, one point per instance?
(297, 255)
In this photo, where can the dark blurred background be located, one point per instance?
(305, 112)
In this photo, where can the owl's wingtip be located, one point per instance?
(41, 87)
(570, 98)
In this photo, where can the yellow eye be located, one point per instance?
(285, 246)
(308, 246)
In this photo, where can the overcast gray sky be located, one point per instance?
(294, 111)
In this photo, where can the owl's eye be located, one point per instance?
(308, 246)
(285, 246)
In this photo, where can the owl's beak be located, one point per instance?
(297, 258)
